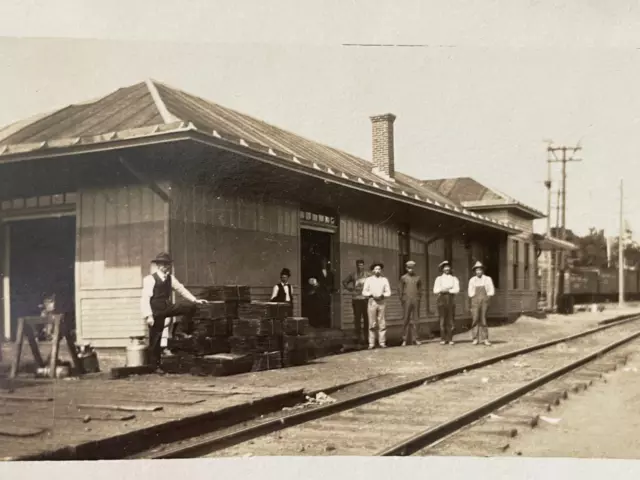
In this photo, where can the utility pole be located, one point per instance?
(621, 250)
(549, 289)
(563, 226)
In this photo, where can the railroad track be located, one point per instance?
(408, 417)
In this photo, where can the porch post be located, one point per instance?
(6, 293)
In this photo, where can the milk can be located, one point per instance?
(137, 352)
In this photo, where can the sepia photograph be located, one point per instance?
(319, 229)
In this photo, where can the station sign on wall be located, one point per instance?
(314, 219)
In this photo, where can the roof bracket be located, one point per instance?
(155, 188)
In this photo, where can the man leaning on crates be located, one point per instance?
(156, 305)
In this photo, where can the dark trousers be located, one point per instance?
(360, 318)
(155, 331)
(411, 307)
(446, 312)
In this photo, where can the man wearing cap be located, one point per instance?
(376, 289)
(157, 306)
(446, 287)
(410, 291)
(480, 291)
(354, 283)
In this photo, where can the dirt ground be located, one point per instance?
(602, 422)
(321, 374)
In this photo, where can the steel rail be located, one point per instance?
(433, 435)
(223, 441)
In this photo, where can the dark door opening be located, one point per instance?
(315, 249)
(42, 262)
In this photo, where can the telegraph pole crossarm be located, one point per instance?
(563, 232)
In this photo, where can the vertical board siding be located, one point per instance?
(229, 239)
(119, 231)
(435, 252)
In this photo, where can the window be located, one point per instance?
(527, 261)
(404, 246)
(492, 255)
(516, 252)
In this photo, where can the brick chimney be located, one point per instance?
(383, 161)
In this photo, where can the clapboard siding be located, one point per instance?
(110, 317)
(119, 231)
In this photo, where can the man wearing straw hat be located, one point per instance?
(376, 289)
(480, 291)
(446, 287)
(157, 306)
(410, 291)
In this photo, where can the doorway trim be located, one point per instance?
(5, 224)
(6, 281)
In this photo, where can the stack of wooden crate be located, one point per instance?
(258, 331)
(211, 328)
(295, 342)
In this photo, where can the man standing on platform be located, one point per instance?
(377, 289)
(480, 291)
(446, 287)
(410, 291)
(157, 306)
(283, 292)
(358, 302)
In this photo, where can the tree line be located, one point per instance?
(592, 250)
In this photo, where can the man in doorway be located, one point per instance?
(283, 292)
(156, 305)
(446, 287)
(480, 292)
(354, 283)
(410, 291)
(376, 289)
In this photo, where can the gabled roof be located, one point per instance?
(150, 110)
(473, 195)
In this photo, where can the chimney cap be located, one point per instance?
(385, 116)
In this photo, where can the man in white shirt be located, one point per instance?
(446, 287)
(376, 289)
(156, 304)
(480, 292)
(283, 292)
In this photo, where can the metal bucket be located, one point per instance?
(89, 359)
(61, 372)
(137, 352)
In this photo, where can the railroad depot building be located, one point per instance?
(92, 192)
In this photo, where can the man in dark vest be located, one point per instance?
(354, 283)
(157, 306)
(282, 292)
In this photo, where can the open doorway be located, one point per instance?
(41, 262)
(315, 249)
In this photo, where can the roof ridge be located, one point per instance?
(164, 112)
(264, 122)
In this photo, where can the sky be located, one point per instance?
(490, 85)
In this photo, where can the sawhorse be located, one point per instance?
(26, 326)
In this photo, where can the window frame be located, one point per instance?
(516, 263)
